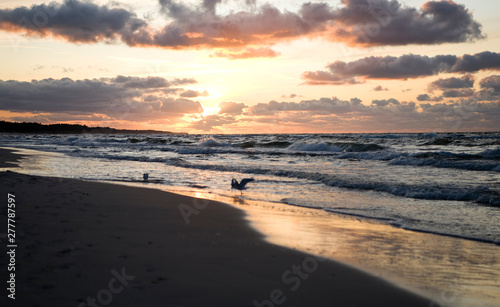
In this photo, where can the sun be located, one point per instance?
(211, 101)
(209, 111)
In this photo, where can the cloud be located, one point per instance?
(180, 106)
(149, 82)
(129, 98)
(211, 121)
(491, 82)
(136, 82)
(327, 78)
(423, 97)
(380, 88)
(352, 22)
(466, 81)
(381, 22)
(333, 114)
(231, 108)
(248, 53)
(426, 97)
(73, 20)
(456, 93)
(291, 96)
(385, 102)
(402, 67)
(316, 106)
(193, 94)
(355, 22)
(478, 61)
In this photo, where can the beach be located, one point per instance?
(250, 153)
(81, 243)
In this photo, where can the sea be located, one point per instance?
(441, 183)
(422, 209)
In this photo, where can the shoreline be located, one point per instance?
(8, 158)
(74, 236)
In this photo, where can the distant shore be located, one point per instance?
(82, 241)
(37, 128)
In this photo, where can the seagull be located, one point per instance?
(145, 176)
(240, 186)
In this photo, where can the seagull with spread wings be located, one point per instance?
(240, 186)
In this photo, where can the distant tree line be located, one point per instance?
(11, 127)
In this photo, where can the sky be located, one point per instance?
(250, 66)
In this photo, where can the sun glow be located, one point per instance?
(209, 111)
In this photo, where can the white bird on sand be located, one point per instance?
(145, 176)
(240, 186)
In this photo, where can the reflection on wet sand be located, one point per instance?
(452, 271)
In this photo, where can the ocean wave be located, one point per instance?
(476, 165)
(277, 144)
(384, 155)
(438, 142)
(147, 140)
(482, 195)
(336, 147)
(248, 144)
(305, 146)
(386, 136)
(491, 154)
(210, 142)
(439, 159)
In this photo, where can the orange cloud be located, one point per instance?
(356, 22)
(247, 53)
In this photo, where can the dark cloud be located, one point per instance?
(129, 98)
(423, 97)
(491, 82)
(136, 82)
(453, 87)
(149, 82)
(248, 53)
(479, 61)
(231, 108)
(355, 22)
(380, 88)
(456, 93)
(402, 67)
(73, 20)
(490, 89)
(385, 102)
(426, 97)
(382, 22)
(466, 81)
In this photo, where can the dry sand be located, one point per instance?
(95, 244)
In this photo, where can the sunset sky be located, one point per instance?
(250, 66)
